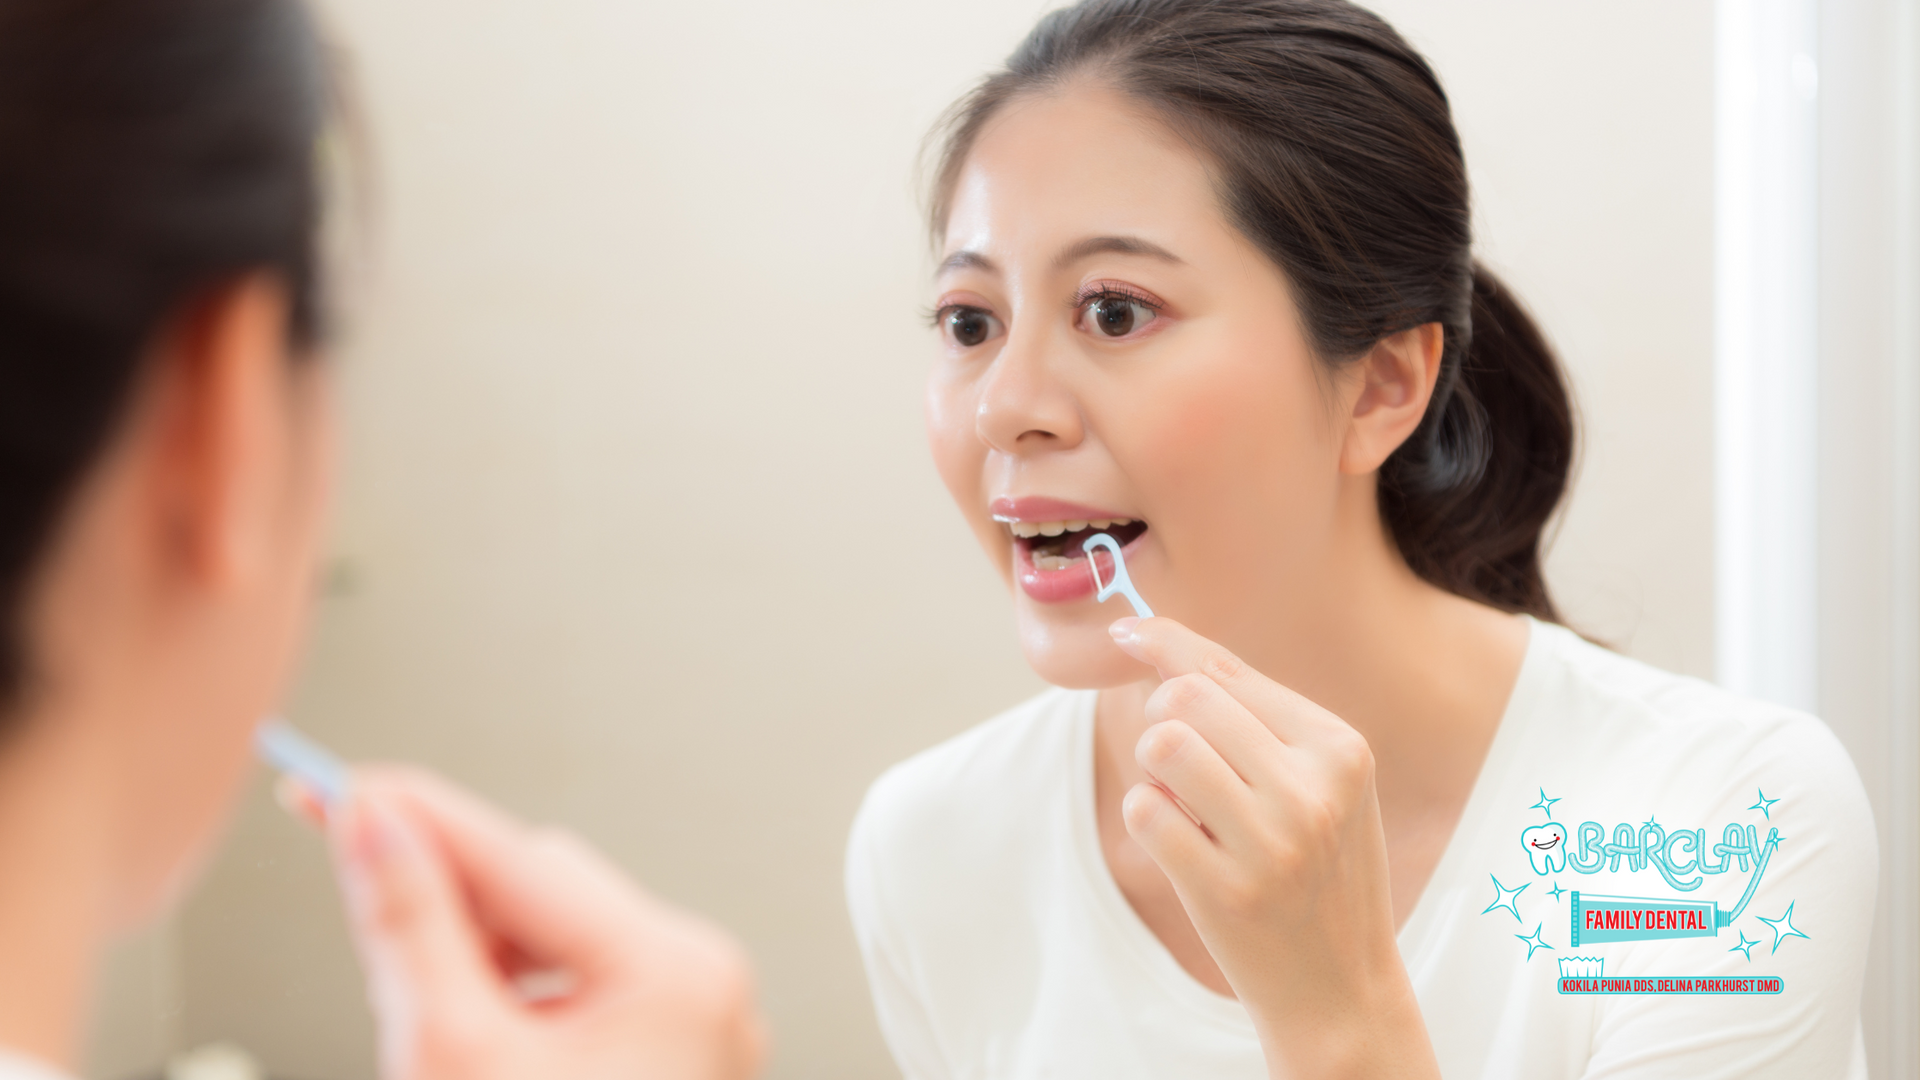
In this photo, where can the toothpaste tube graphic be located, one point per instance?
(1599, 919)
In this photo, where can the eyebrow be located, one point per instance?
(965, 260)
(1114, 245)
(1072, 253)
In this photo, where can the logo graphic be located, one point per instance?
(1684, 860)
(1504, 897)
(1774, 925)
(1630, 918)
(1581, 967)
(1546, 847)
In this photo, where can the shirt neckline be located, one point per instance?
(1152, 956)
(1124, 925)
(1417, 936)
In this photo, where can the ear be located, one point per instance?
(1396, 378)
(219, 421)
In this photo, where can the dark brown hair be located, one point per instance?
(1337, 156)
(150, 151)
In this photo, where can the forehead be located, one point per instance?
(1085, 160)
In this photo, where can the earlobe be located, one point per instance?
(1396, 380)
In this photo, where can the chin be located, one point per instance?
(1077, 654)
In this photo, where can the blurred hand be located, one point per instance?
(1261, 810)
(498, 952)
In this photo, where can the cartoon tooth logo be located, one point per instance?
(1546, 847)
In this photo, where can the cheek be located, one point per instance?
(961, 458)
(1238, 454)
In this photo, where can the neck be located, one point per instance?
(57, 899)
(1423, 674)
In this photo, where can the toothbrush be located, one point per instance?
(295, 755)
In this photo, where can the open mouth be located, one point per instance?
(1057, 545)
(1050, 562)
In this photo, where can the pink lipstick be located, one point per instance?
(1047, 535)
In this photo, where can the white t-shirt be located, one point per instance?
(998, 944)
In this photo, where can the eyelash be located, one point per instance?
(937, 317)
(1090, 293)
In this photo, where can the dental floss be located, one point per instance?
(280, 746)
(1121, 583)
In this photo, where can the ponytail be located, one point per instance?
(1468, 497)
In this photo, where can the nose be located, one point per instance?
(1024, 407)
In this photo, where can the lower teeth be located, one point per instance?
(1052, 562)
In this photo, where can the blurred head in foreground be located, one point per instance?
(163, 426)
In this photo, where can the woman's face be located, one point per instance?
(1116, 357)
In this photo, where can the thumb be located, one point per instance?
(418, 943)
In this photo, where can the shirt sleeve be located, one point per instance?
(904, 1022)
(1817, 898)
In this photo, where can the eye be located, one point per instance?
(1116, 315)
(968, 326)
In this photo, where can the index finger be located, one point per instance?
(1173, 650)
(549, 896)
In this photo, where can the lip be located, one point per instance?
(1074, 582)
(1042, 508)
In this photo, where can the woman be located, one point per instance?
(1206, 284)
(164, 458)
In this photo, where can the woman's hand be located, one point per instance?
(497, 951)
(1262, 812)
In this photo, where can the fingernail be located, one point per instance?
(375, 836)
(299, 801)
(1122, 629)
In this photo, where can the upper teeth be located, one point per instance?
(1056, 528)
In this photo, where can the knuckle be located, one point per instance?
(395, 909)
(1352, 755)
(1319, 823)
(1185, 693)
(1163, 744)
(1221, 666)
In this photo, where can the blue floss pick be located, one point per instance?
(280, 746)
(1121, 583)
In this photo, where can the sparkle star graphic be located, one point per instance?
(1534, 941)
(1554, 892)
(1745, 947)
(1505, 897)
(1650, 820)
(1545, 805)
(1765, 805)
(1779, 934)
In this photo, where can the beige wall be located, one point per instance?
(1589, 133)
(637, 532)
